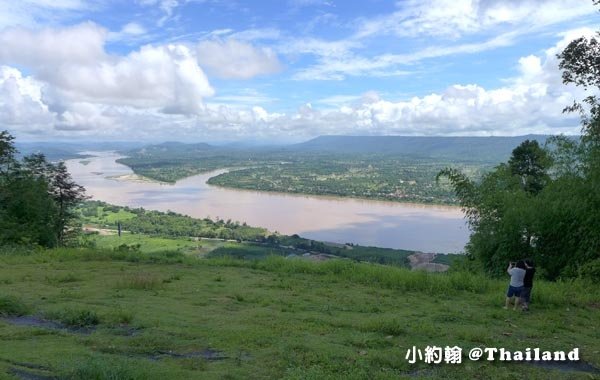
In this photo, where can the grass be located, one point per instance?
(149, 244)
(74, 317)
(140, 281)
(12, 306)
(274, 318)
(109, 217)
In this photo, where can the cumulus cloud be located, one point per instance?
(236, 59)
(76, 67)
(160, 91)
(20, 100)
(531, 102)
(45, 49)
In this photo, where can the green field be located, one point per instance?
(132, 315)
(154, 231)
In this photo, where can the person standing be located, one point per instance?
(527, 284)
(517, 274)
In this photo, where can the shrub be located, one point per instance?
(12, 306)
(75, 317)
(591, 270)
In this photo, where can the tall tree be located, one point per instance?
(7, 153)
(530, 163)
(37, 166)
(67, 194)
(580, 63)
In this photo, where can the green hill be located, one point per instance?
(91, 314)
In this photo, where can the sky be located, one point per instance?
(285, 70)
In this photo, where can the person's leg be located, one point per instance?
(517, 301)
(525, 297)
(509, 295)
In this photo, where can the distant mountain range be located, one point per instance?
(493, 149)
(481, 149)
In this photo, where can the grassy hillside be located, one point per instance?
(93, 314)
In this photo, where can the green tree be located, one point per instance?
(67, 194)
(545, 202)
(7, 153)
(27, 212)
(530, 163)
(36, 198)
(580, 65)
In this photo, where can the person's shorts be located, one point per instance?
(526, 294)
(514, 291)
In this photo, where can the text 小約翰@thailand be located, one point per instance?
(454, 355)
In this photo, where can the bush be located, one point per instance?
(75, 317)
(591, 271)
(12, 306)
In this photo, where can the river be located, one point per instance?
(342, 220)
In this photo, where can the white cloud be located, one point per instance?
(47, 48)
(165, 6)
(34, 12)
(243, 96)
(78, 69)
(235, 59)
(20, 100)
(455, 18)
(133, 29)
(161, 92)
(336, 60)
(530, 103)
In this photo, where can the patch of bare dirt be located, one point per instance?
(423, 261)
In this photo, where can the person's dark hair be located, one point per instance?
(521, 264)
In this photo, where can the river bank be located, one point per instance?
(339, 220)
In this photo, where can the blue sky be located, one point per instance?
(212, 70)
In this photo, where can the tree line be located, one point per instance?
(544, 203)
(37, 198)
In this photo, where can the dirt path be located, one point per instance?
(100, 231)
(423, 261)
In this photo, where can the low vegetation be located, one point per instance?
(182, 317)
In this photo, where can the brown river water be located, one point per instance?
(342, 220)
